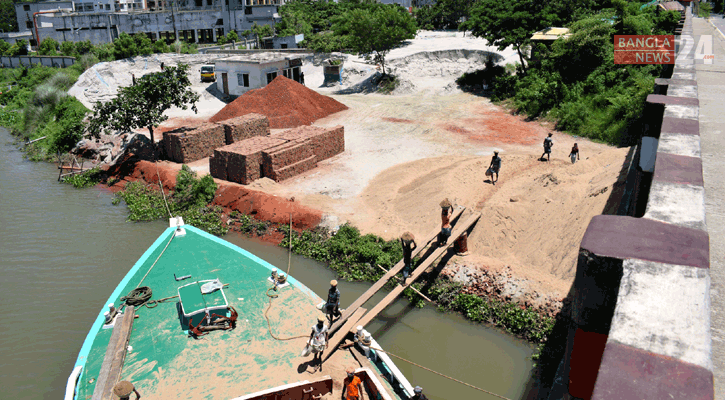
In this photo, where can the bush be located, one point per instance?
(387, 83)
(124, 47)
(193, 192)
(48, 47)
(232, 36)
(704, 10)
(86, 179)
(160, 46)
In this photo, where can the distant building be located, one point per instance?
(239, 74)
(102, 21)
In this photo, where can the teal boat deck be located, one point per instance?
(164, 362)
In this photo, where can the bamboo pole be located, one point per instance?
(416, 290)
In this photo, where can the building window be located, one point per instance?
(108, 7)
(271, 76)
(26, 7)
(29, 24)
(247, 10)
(243, 80)
(283, 45)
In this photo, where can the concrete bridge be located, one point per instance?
(647, 312)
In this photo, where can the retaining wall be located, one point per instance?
(641, 309)
(48, 61)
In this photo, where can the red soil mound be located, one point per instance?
(285, 102)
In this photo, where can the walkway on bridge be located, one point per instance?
(354, 315)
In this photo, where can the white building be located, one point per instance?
(238, 74)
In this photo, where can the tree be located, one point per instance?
(8, 20)
(124, 47)
(509, 23)
(4, 46)
(144, 104)
(68, 48)
(376, 32)
(232, 36)
(48, 47)
(20, 48)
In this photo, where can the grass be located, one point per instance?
(85, 179)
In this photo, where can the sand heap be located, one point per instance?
(285, 102)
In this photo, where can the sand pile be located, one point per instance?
(285, 102)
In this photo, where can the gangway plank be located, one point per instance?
(390, 274)
(458, 231)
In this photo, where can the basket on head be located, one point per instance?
(445, 203)
(123, 389)
(407, 236)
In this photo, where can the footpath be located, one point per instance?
(711, 93)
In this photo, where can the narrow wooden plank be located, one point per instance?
(115, 354)
(390, 274)
(339, 336)
(458, 231)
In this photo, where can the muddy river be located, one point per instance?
(63, 251)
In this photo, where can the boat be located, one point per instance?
(198, 317)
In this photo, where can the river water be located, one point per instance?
(63, 250)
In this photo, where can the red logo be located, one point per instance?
(644, 49)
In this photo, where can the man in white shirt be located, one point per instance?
(318, 340)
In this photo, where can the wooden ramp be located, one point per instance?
(457, 231)
(390, 274)
(115, 355)
(339, 336)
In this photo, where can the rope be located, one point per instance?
(289, 252)
(162, 187)
(157, 260)
(443, 375)
(269, 326)
(138, 297)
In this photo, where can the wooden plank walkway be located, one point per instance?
(115, 354)
(390, 274)
(339, 336)
(457, 231)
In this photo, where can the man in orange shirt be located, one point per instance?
(352, 385)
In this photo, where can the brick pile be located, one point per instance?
(188, 144)
(245, 127)
(285, 102)
(241, 162)
(278, 157)
(325, 142)
(288, 159)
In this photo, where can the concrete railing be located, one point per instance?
(48, 61)
(641, 308)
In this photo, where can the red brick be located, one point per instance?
(294, 169)
(244, 159)
(245, 127)
(189, 144)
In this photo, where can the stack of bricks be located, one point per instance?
(241, 162)
(245, 127)
(288, 159)
(185, 145)
(325, 142)
(278, 157)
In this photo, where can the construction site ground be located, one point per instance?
(405, 152)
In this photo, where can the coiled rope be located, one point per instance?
(440, 374)
(269, 326)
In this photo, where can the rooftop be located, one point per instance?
(257, 58)
(551, 34)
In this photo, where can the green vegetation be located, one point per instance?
(375, 33)
(35, 103)
(444, 14)
(704, 10)
(86, 179)
(387, 83)
(573, 81)
(8, 20)
(362, 25)
(190, 200)
(354, 257)
(143, 104)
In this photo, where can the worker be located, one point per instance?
(548, 142)
(352, 386)
(133, 79)
(302, 78)
(407, 240)
(124, 389)
(418, 394)
(363, 339)
(495, 166)
(318, 340)
(446, 212)
(162, 65)
(333, 301)
(574, 153)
